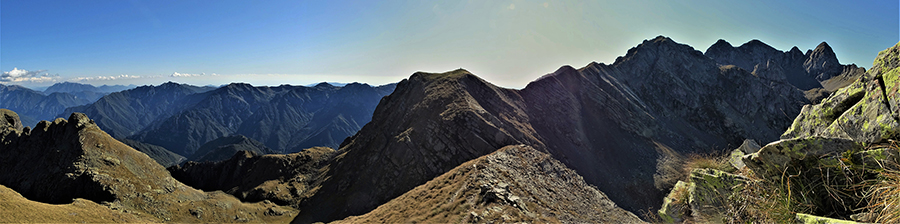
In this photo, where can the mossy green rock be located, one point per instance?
(866, 111)
(674, 206)
(710, 192)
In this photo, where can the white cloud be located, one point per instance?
(176, 74)
(22, 75)
(114, 77)
(511, 6)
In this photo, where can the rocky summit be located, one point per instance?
(513, 184)
(59, 161)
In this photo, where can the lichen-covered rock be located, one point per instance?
(710, 192)
(674, 208)
(867, 110)
(735, 159)
(772, 159)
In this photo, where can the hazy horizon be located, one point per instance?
(508, 43)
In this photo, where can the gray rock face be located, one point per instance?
(822, 63)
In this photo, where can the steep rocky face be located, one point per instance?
(606, 122)
(125, 113)
(822, 63)
(512, 184)
(816, 69)
(162, 155)
(33, 106)
(866, 111)
(225, 147)
(59, 161)
(283, 179)
(284, 118)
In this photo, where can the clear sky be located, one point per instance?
(508, 43)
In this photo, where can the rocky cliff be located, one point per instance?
(59, 161)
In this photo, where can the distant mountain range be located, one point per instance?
(34, 106)
(285, 118)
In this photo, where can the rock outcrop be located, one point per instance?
(512, 184)
(60, 161)
(283, 179)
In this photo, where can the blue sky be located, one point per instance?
(508, 43)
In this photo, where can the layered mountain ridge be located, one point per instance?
(181, 118)
(816, 69)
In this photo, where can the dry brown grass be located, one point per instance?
(15, 208)
(884, 198)
(672, 166)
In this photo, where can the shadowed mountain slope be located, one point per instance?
(60, 161)
(606, 122)
(283, 179)
(162, 155)
(125, 113)
(225, 147)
